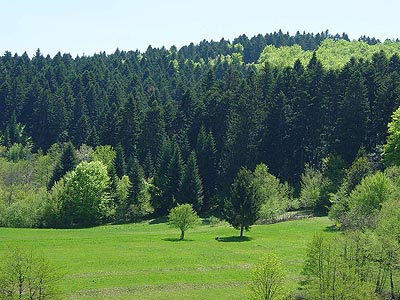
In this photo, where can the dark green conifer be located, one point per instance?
(192, 188)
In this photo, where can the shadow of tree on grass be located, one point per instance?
(233, 239)
(176, 240)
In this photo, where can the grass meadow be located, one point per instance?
(146, 260)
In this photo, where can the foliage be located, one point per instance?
(284, 56)
(123, 185)
(183, 217)
(28, 211)
(340, 200)
(268, 279)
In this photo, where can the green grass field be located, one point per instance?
(145, 261)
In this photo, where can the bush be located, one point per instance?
(27, 212)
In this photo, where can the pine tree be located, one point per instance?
(192, 188)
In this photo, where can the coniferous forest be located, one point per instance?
(176, 125)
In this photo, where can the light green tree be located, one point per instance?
(276, 196)
(311, 187)
(106, 154)
(84, 198)
(391, 150)
(183, 217)
(388, 230)
(267, 281)
(331, 273)
(366, 199)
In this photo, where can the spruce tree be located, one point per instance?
(242, 208)
(175, 172)
(192, 188)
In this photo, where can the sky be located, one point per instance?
(85, 27)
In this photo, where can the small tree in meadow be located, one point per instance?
(242, 208)
(183, 217)
(268, 279)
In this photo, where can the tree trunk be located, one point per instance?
(241, 230)
(182, 235)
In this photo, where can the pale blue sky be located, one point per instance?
(92, 26)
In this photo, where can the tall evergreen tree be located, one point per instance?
(161, 177)
(148, 166)
(175, 171)
(353, 118)
(192, 188)
(136, 176)
(207, 163)
(129, 127)
(241, 210)
(153, 131)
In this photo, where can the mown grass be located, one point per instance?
(146, 261)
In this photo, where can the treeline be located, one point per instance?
(333, 54)
(164, 112)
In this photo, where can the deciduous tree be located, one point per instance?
(183, 217)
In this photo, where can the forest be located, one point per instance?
(250, 130)
(175, 126)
